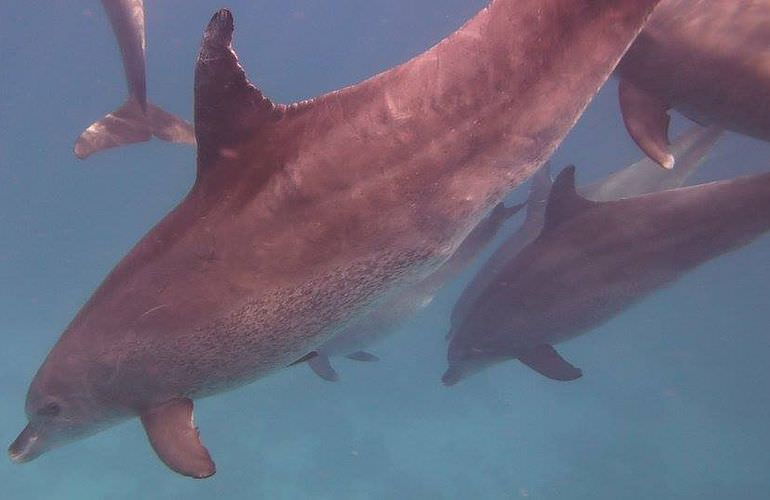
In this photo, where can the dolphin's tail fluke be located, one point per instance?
(130, 124)
(168, 127)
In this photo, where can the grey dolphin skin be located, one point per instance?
(302, 216)
(644, 176)
(592, 260)
(137, 120)
(706, 59)
(386, 318)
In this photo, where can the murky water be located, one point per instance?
(673, 402)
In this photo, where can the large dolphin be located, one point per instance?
(708, 59)
(402, 305)
(592, 260)
(302, 216)
(645, 176)
(137, 120)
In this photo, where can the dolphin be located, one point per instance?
(689, 149)
(303, 216)
(592, 260)
(401, 306)
(645, 176)
(137, 120)
(706, 59)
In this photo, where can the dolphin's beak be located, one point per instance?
(27, 446)
(452, 376)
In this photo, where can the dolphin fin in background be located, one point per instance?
(546, 361)
(175, 439)
(169, 127)
(321, 366)
(362, 356)
(306, 357)
(647, 119)
(130, 124)
(564, 202)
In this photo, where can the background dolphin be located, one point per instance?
(705, 58)
(391, 314)
(592, 260)
(302, 216)
(137, 120)
(645, 176)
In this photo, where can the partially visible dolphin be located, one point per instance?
(645, 176)
(303, 216)
(386, 318)
(137, 120)
(707, 59)
(592, 260)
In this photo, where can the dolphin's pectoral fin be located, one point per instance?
(306, 357)
(321, 366)
(546, 361)
(228, 109)
(362, 356)
(175, 439)
(126, 125)
(168, 127)
(564, 202)
(646, 118)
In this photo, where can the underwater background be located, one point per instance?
(674, 401)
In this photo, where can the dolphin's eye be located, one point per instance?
(51, 409)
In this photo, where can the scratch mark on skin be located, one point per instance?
(152, 309)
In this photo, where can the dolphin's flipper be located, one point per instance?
(646, 118)
(125, 125)
(321, 366)
(362, 356)
(168, 127)
(175, 439)
(546, 361)
(306, 357)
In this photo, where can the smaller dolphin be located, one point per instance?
(398, 308)
(644, 176)
(593, 260)
(137, 120)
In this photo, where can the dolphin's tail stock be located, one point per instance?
(129, 124)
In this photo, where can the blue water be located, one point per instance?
(673, 402)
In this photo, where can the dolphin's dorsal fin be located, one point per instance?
(228, 108)
(174, 438)
(564, 202)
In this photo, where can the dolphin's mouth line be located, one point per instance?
(21, 456)
(24, 449)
